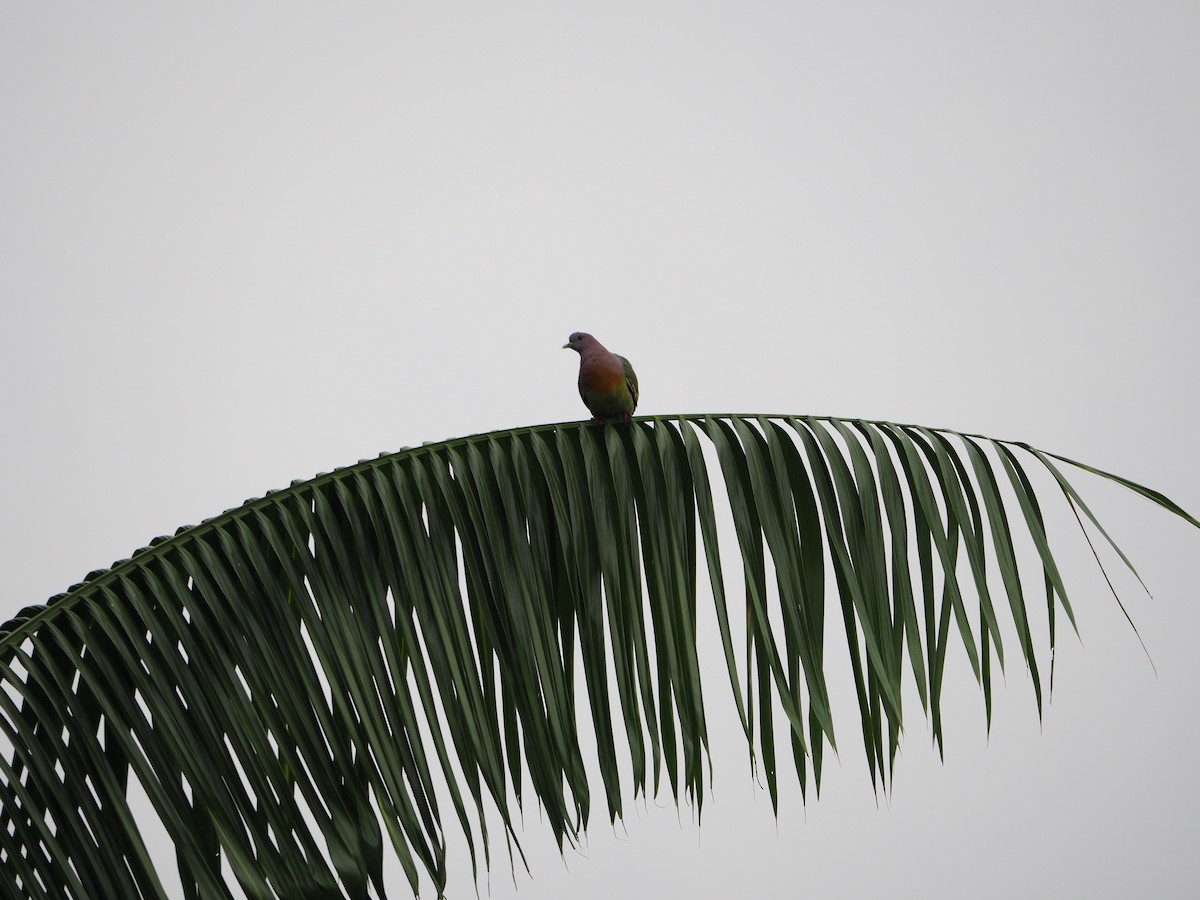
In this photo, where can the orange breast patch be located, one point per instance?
(602, 380)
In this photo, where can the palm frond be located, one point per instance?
(300, 681)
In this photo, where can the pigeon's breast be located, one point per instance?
(601, 379)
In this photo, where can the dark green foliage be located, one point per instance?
(302, 682)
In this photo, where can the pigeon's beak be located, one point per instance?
(566, 346)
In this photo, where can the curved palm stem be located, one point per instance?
(318, 671)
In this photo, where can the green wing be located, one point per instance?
(630, 379)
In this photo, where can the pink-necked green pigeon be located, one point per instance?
(607, 382)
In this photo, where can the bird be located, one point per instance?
(607, 382)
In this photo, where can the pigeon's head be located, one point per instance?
(580, 341)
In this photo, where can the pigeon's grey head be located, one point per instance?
(580, 341)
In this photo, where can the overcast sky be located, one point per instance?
(240, 245)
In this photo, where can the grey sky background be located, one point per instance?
(239, 246)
